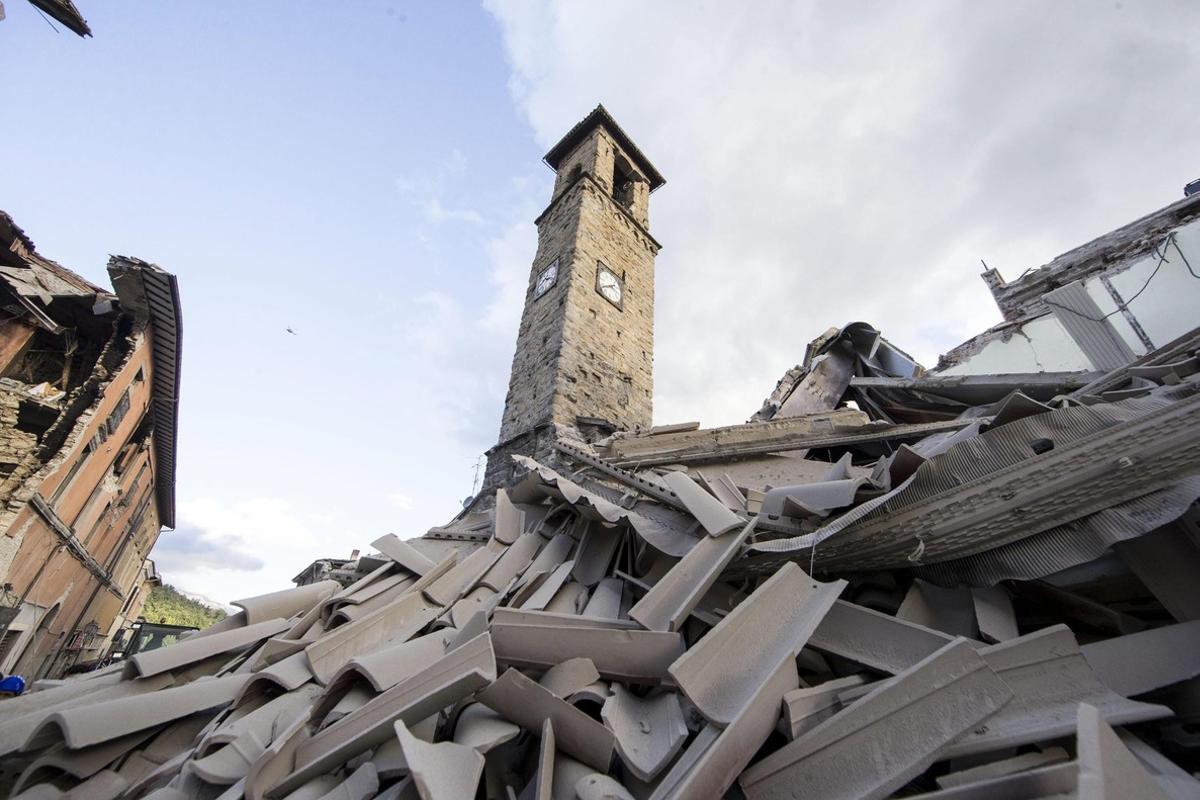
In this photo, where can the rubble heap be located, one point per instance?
(950, 587)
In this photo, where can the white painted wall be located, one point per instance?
(1040, 345)
(1168, 307)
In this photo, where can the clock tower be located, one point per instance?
(583, 365)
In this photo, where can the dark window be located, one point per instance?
(622, 181)
(118, 413)
(7, 642)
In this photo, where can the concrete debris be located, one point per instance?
(612, 634)
(891, 582)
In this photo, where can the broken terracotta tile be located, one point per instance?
(445, 771)
(548, 588)
(527, 704)
(994, 614)
(287, 603)
(27, 716)
(649, 731)
(571, 598)
(104, 785)
(510, 520)
(482, 728)
(403, 554)
(1140, 662)
(387, 666)
(713, 515)
(451, 585)
(362, 784)
(600, 787)
(458, 673)
(722, 671)
(101, 722)
(189, 651)
(715, 757)
(568, 677)
(1005, 766)
(951, 611)
(669, 602)
(1106, 767)
(953, 686)
(396, 621)
(1049, 678)
(1176, 782)
(597, 547)
(605, 600)
(552, 582)
(81, 763)
(807, 707)
(543, 779)
(512, 562)
(618, 654)
(875, 640)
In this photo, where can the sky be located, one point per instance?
(367, 175)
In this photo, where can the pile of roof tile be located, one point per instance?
(959, 589)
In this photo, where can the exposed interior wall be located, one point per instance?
(1169, 304)
(100, 484)
(79, 505)
(1040, 345)
(1157, 288)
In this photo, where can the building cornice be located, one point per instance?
(152, 295)
(585, 178)
(600, 118)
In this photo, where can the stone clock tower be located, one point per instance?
(585, 349)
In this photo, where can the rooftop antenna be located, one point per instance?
(479, 462)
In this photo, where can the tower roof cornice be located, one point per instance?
(599, 117)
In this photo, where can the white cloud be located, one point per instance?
(221, 548)
(464, 347)
(455, 163)
(427, 191)
(828, 163)
(510, 255)
(401, 501)
(435, 213)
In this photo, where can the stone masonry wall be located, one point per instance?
(538, 443)
(539, 337)
(577, 355)
(606, 368)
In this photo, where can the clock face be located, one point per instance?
(546, 279)
(609, 286)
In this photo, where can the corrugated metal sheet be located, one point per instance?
(1067, 545)
(994, 489)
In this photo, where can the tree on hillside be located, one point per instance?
(168, 605)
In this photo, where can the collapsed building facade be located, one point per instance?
(972, 581)
(88, 404)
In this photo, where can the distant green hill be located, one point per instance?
(169, 605)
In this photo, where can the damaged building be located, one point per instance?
(971, 581)
(88, 409)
